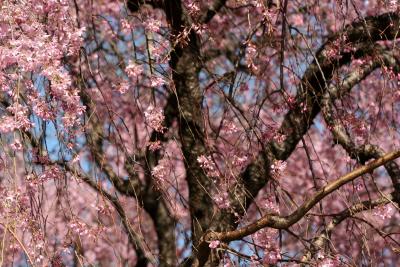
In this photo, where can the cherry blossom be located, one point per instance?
(204, 133)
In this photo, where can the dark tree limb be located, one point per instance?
(313, 86)
(319, 242)
(146, 194)
(341, 136)
(186, 66)
(284, 222)
(135, 239)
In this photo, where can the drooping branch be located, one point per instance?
(186, 66)
(319, 242)
(153, 201)
(146, 194)
(367, 151)
(284, 222)
(295, 124)
(308, 105)
(319, 74)
(308, 100)
(135, 239)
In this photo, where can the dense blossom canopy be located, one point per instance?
(199, 133)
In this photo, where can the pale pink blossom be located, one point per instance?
(239, 162)
(152, 25)
(41, 108)
(153, 146)
(229, 127)
(123, 87)
(222, 200)
(328, 262)
(214, 244)
(208, 165)
(278, 168)
(161, 173)
(125, 25)
(16, 146)
(272, 256)
(156, 81)
(19, 120)
(155, 118)
(51, 174)
(383, 212)
(133, 70)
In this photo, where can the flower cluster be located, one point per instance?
(161, 173)
(250, 56)
(133, 70)
(16, 146)
(278, 168)
(52, 173)
(267, 239)
(155, 118)
(41, 107)
(208, 165)
(214, 244)
(35, 44)
(324, 261)
(123, 87)
(384, 212)
(78, 227)
(19, 120)
(153, 146)
(239, 162)
(229, 127)
(222, 200)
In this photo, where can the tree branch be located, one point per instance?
(136, 240)
(284, 222)
(319, 241)
(341, 136)
(297, 122)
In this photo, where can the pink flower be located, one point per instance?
(40, 107)
(327, 262)
(125, 25)
(271, 256)
(222, 200)
(229, 127)
(133, 70)
(278, 168)
(208, 165)
(16, 146)
(51, 174)
(154, 118)
(161, 173)
(384, 212)
(153, 146)
(7, 124)
(152, 25)
(156, 81)
(239, 161)
(214, 244)
(123, 87)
